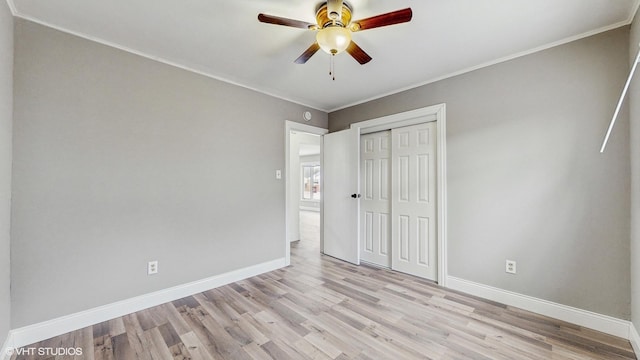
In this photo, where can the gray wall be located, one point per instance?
(634, 111)
(6, 114)
(119, 160)
(525, 179)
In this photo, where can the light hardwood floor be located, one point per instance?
(322, 308)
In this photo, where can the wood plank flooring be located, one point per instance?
(322, 308)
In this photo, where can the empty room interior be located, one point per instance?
(319, 179)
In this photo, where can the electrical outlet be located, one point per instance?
(152, 267)
(510, 267)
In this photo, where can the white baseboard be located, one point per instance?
(41, 331)
(634, 339)
(588, 319)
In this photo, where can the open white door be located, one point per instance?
(341, 181)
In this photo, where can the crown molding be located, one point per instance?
(628, 21)
(494, 62)
(160, 59)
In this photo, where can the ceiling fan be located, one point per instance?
(334, 27)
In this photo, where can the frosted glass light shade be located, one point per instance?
(333, 39)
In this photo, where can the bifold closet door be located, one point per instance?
(413, 200)
(375, 203)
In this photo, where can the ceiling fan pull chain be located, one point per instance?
(332, 67)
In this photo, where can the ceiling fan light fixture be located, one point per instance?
(334, 28)
(333, 39)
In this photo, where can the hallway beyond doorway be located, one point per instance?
(310, 227)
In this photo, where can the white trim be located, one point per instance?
(37, 332)
(628, 21)
(288, 127)
(441, 158)
(487, 64)
(589, 319)
(634, 339)
(407, 118)
(435, 113)
(296, 126)
(162, 60)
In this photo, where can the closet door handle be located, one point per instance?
(355, 196)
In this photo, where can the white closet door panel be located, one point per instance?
(374, 204)
(413, 205)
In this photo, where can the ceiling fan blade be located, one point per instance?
(307, 54)
(391, 18)
(276, 20)
(358, 54)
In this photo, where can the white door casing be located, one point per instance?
(341, 182)
(436, 114)
(375, 202)
(413, 200)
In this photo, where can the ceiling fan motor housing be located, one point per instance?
(328, 12)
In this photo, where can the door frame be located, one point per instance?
(304, 128)
(435, 113)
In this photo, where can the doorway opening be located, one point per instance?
(303, 188)
(306, 190)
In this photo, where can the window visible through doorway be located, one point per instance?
(310, 182)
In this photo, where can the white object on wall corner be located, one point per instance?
(37, 332)
(620, 101)
(585, 318)
(634, 338)
(14, 12)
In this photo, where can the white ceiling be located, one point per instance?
(309, 149)
(224, 40)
